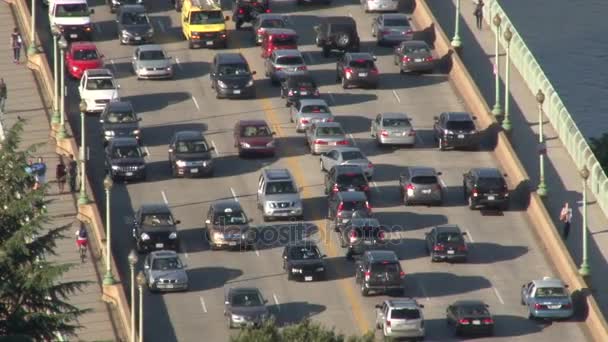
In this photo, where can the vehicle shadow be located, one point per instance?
(190, 238)
(432, 284)
(511, 326)
(345, 99)
(208, 278)
(338, 267)
(409, 220)
(232, 165)
(106, 30)
(406, 248)
(144, 103)
(281, 234)
(354, 123)
(155, 135)
(488, 253)
(295, 312)
(190, 70)
(292, 146)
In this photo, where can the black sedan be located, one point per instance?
(296, 87)
(303, 260)
(470, 317)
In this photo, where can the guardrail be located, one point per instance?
(555, 110)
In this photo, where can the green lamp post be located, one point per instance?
(132, 263)
(497, 109)
(141, 281)
(63, 46)
(56, 113)
(108, 279)
(456, 41)
(506, 123)
(542, 150)
(585, 269)
(32, 49)
(83, 198)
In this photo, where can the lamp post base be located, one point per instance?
(108, 279)
(61, 133)
(456, 42)
(542, 189)
(506, 125)
(585, 269)
(83, 198)
(56, 118)
(32, 50)
(497, 109)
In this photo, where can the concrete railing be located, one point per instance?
(555, 110)
(587, 308)
(89, 213)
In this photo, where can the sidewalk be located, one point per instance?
(24, 100)
(561, 174)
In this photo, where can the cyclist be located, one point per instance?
(82, 237)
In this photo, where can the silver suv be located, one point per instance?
(400, 318)
(164, 271)
(278, 196)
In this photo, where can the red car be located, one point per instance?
(82, 56)
(254, 137)
(278, 38)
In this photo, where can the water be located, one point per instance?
(569, 38)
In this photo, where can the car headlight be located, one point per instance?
(221, 84)
(237, 318)
(271, 205)
(250, 83)
(246, 145)
(125, 33)
(115, 167)
(270, 144)
(296, 270)
(169, 68)
(180, 163)
(320, 269)
(136, 131)
(150, 31)
(109, 133)
(173, 236)
(75, 68)
(145, 236)
(218, 236)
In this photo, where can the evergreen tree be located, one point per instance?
(599, 146)
(33, 299)
(305, 331)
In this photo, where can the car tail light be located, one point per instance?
(302, 68)
(386, 31)
(368, 206)
(241, 11)
(538, 306)
(387, 323)
(348, 70)
(277, 68)
(475, 192)
(335, 189)
(410, 187)
(401, 274)
(320, 142)
(317, 93)
(342, 142)
(381, 235)
(268, 10)
(329, 120)
(370, 165)
(429, 59)
(411, 133)
(365, 188)
(353, 236)
(384, 133)
(464, 321)
(567, 306)
(406, 59)
(304, 121)
(438, 248)
(374, 71)
(260, 30)
(303, 88)
(408, 32)
(488, 321)
(367, 275)
(462, 248)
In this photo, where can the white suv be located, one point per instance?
(400, 318)
(98, 88)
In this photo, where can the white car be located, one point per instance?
(98, 88)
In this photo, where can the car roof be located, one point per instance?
(402, 303)
(154, 208)
(415, 43)
(352, 196)
(83, 45)
(132, 8)
(468, 302)
(287, 52)
(395, 16)
(487, 172)
(347, 168)
(99, 73)
(459, 116)
(270, 16)
(150, 47)
(274, 31)
(124, 141)
(230, 57)
(313, 102)
(119, 105)
(220, 206)
(163, 254)
(549, 282)
(361, 55)
(277, 174)
(328, 124)
(448, 228)
(244, 289)
(301, 243)
(382, 255)
(347, 149)
(365, 221)
(394, 115)
(421, 171)
(189, 135)
(300, 77)
(253, 123)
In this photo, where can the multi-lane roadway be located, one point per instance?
(504, 253)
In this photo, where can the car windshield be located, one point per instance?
(301, 83)
(451, 237)
(304, 253)
(352, 155)
(191, 146)
(355, 179)
(396, 22)
(256, 131)
(405, 313)
(290, 60)
(100, 84)
(233, 217)
(233, 70)
(208, 17)
(460, 125)
(385, 267)
(121, 117)
(353, 205)
(157, 220)
(284, 40)
(368, 232)
(166, 264)
(330, 131)
(416, 49)
(427, 180)
(474, 310)
(123, 152)
(550, 292)
(315, 109)
(247, 299)
(273, 23)
(72, 10)
(152, 55)
(284, 187)
(490, 183)
(396, 123)
(86, 55)
(135, 18)
(361, 63)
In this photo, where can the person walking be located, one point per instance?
(3, 96)
(16, 45)
(39, 171)
(61, 176)
(565, 216)
(478, 13)
(72, 173)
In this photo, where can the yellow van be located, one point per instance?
(203, 23)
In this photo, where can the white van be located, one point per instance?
(380, 5)
(72, 17)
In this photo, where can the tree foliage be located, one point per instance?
(33, 300)
(305, 331)
(599, 146)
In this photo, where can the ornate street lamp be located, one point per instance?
(497, 110)
(506, 123)
(141, 281)
(456, 41)
(83, 198)
(63, 46)
(108, 279)
(585, 269)
(542, 150)
(132, 262)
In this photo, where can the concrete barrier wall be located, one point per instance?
(544, 228)
(89, 213)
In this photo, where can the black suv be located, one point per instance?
(456, 130)
(379, 271)
(231, 77)
(346, 178)
(485, 187)
(298, 86)
(154, 228)
(342, 205)
(358, 69)
(446, 243)
(360, 235)
(124, 159)
(118, 119)
(227, 226)
(134, 26)
(337, 33)
(246, 11)
(190, 154)
(303, 260)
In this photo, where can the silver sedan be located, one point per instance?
(305, 112)
(151, 61)
(284, 62)
(392, 28)
(325, 136)
(347, 156)
(393, 129)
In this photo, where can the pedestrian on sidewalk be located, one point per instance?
(16, 45)
(478, 13)
(39, 171)
(565, 216)
(3, 96)
(72, 173)
(61, 176)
